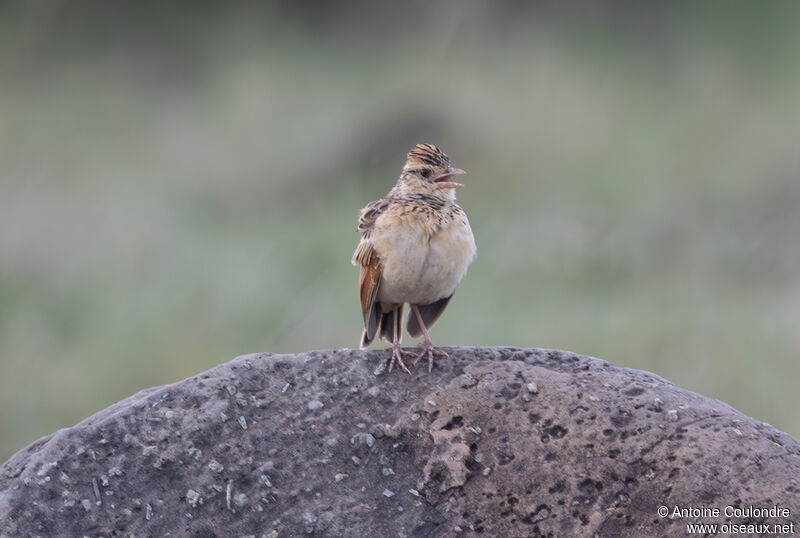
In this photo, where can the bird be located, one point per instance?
(415, 247)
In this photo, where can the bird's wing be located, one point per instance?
(367, 259)
(430, 313)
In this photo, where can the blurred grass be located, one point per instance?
(181, 186)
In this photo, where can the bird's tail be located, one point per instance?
(378, 320)
(388, 324)
(373, 322)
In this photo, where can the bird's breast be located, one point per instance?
(424, 255)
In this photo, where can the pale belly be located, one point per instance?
(418, 270)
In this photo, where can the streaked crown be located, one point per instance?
(427, 155)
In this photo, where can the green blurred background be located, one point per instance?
(180, 183)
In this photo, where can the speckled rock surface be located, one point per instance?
(498, 441)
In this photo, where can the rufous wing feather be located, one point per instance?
(369, 279)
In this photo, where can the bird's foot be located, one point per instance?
(430, 351)
(397, 357)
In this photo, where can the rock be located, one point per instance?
(499, 441)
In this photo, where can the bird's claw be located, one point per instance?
(397, 357)
(430, 351)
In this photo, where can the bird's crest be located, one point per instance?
(427, 155)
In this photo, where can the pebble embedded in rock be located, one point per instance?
(193, 498)
(467, 380)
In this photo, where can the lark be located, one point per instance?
(415, 247)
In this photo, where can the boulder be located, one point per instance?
(495, 441)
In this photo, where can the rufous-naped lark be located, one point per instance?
(415, 247)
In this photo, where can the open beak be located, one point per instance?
(443, 181)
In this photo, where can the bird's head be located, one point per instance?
(427, 171)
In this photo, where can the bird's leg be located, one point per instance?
(427, 345)
(397, 351)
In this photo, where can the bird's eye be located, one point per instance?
(426, 173)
